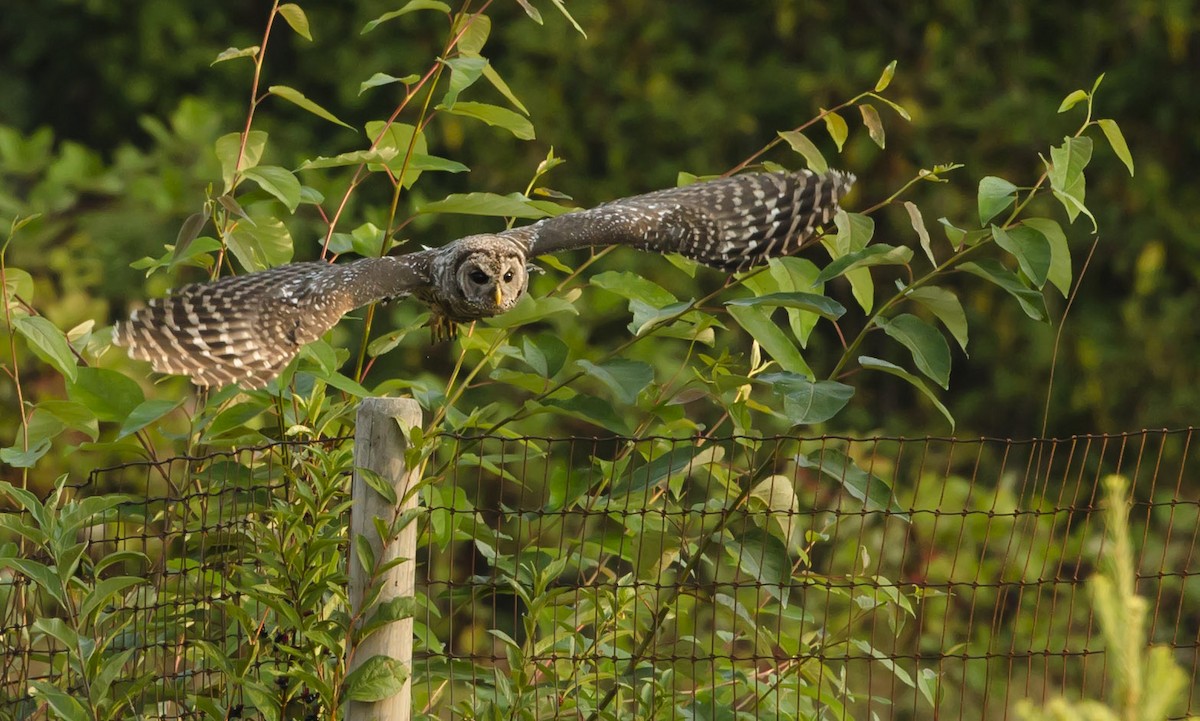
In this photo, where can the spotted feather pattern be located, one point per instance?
(245, 329)
(731, 223)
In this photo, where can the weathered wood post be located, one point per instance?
(379, 445)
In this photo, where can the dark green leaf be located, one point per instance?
(298, 98)
(759, 325)
(995, 195)
(805, 401)
(1029, 247)
(591, 409)
(625, 378)
(496, 116)
(296, 18)
(364, 554)
(1031, 301)
(112, 396)
(18, 457)
(873, 491)
(945, 305)
(675, 463)
(277, 181)
(48, 343)
(545, 353)
(1060, 253)
(513, 205)
(878, 254)
(764, 558)
(927, 345)
(812, 302)
(188, 232)
(1116, 139)
(379, 484)
(378, 677)
(807, 149)
(893, 369)
(64, 705)
(410, 6)
(146, 413)
(634, 287)
(103, 592)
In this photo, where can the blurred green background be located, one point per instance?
(108, 111)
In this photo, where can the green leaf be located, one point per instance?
(364, 554)
(146, 413)
(918, 224)
(995, 195)
(265, 243)
(277, 181)
(836, 125)
(625, 378)
(855, 231)
(472, 30)
(379, 79)
(878, 254)
(1067, 162)
(17, 282)
(675, 464)
(593, 410)
(188, 232)
(112, 396)
(873, 491)
(764, 558)
(513, 205)
(812, 302)
(885, 78)
(422, 161)
(633, 287)
(495, 116)
(18, 457)
(99, 596)
(464, 72)
(378, 677)
(989, 269)
(48, 343)
(874, 125)
(545, 353)
(71, 414)
(893, 369)
(39, 573)
(1060, 253)
(498, 83)
(806, 401)
(928, 346)
(805, 147)
(410, 6)
(1076, 97)
(357, 157)
(795, 275)
(64, 705)
(1029, 247)
(1116, 139)
(945, 305)
(296, 18)
(530, 310)
(234, 53)
(759, 325)
(298, 98)
(228, 147)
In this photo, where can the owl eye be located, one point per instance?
(478, 277)
(508, 276)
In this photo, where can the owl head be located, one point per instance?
(486, 275)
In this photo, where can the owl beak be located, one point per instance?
(499, 297)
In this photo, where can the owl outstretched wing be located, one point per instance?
(244, 329)
(730, 223)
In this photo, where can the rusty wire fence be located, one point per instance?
(663, 578)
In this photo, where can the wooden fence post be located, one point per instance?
(379, 445)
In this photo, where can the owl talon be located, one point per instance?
(442, 328)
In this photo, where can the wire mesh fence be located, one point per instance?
(786, 577)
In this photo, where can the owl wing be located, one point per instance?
(729, 223)
(244, 329)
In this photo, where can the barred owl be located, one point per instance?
(245, 329)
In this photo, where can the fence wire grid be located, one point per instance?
(661, 578)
